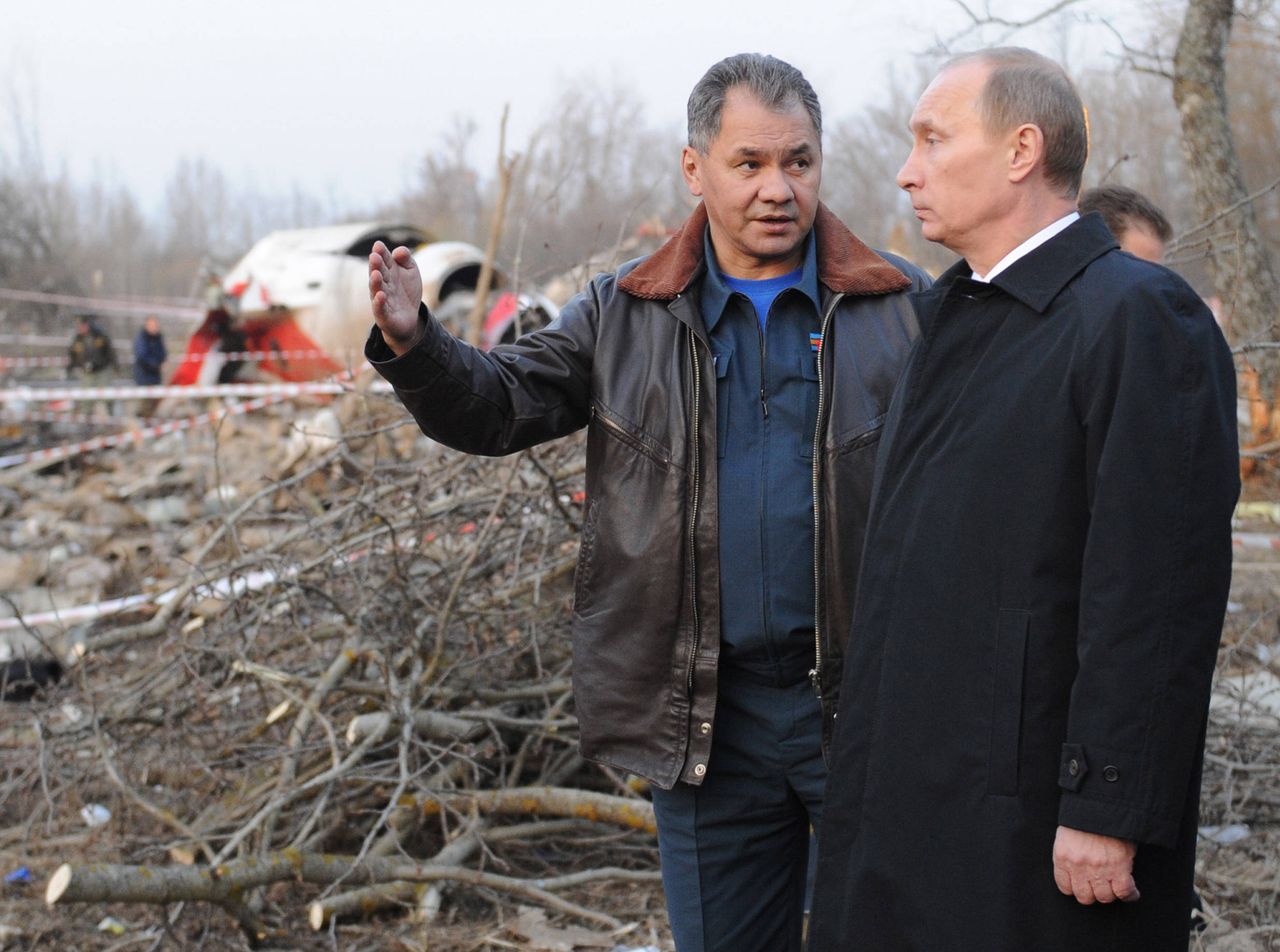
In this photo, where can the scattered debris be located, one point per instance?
(317, 670)
(95, 814)
(327, 659)
(1225, 835)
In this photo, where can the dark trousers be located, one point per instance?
(735, 849)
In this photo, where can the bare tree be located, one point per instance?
(1239, 260)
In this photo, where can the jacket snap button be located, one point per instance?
(705, 727)
(699, 770)
(1073, 767)
(1110, 774)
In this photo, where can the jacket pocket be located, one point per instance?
(632, 509)
(720, 358)
(809, 374)
(1006, 702)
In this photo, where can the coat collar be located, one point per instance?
(845, 264)
(1038, 277)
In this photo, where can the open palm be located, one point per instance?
(395, 291)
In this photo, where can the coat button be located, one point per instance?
(1110, 773)
(705, 727)
(1073, 767)
(699, 770)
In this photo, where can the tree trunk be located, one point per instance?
(1238, 261)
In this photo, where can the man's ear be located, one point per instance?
(691, 168)
(1026, 151)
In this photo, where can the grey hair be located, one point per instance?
(1025, 86)
(777, 85)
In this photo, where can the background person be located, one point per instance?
(91, 358)
(149, 355)
(1132, 218)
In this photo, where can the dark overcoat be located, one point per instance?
(1042, 594)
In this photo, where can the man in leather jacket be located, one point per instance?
(733, 385)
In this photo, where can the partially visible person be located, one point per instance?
(91, 357)
(231, 341)
(148, 358)
(1016, 765)
(1136, 222)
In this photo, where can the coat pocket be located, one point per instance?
(1006, 702)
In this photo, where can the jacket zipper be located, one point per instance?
(764, 403)
(693, 506)
(815, 676)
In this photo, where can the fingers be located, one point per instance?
(1126, 890)
(1087, 891)
(1093, 868)
(1102, 891)
(377, 294)
(1063, 879)
(1076, 885)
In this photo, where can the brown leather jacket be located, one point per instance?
(629, 359)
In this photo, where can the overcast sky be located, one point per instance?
(342, 99)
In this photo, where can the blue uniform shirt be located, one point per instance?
(766, 406)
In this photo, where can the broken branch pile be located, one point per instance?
(350, 694)
(334, 699)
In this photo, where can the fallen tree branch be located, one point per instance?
(433, 724)
(372, 898)
(548, 801)
(225, 884)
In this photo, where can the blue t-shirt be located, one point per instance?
(761, 293)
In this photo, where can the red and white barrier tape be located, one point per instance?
(228, 587)
(79, 419)
(52, 454)
(1256, 540)
(50, 394)
(248, 356)
(117, 305)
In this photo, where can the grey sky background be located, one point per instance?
(343, 99)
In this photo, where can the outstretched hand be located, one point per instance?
(395, 290)
(1093, 868)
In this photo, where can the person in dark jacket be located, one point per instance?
(1017, 760)
(733, 386)
(148, 359)
(148, 354)
(91, 354)
(92, 358)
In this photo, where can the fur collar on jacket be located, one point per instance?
(845, 264)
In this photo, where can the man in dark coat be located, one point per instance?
(1016, 765)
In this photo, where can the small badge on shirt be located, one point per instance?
(815, 343)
